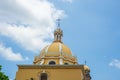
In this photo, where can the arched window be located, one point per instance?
(31, 78)
(52, 63)
(66, 63)
(43, 76)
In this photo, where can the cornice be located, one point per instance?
(50, 66)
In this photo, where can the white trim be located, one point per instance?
(42, 62)
(59, 57)
(61, 61)
(46, 50)
(60, 47)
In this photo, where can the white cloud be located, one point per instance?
(30, 23)
(8, 54)
(115, 63)
(69, 1)
(29, 37)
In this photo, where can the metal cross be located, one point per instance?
(58, 21)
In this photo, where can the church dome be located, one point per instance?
(57, 52)
(55, 49)
(86, 68)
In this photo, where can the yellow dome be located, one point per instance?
(86, 68)
(55, 49)
(56, 52)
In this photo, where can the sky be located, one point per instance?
(91, 29)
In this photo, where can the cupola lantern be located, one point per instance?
(58, 34)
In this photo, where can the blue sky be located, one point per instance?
(91, 30)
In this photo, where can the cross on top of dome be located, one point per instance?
(58, 22)
(58, 33)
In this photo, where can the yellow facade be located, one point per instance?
(55, 62)
(53, 72)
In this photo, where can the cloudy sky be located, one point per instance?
(91, 30)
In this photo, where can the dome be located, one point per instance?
(86, 68)
(57, 52)
(55, 49)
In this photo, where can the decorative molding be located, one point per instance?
(51, 66)
(42, 62)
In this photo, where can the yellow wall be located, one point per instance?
(53, 74)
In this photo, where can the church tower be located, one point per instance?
(55, 62)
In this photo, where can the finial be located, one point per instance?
(58, 33)
(58, 22)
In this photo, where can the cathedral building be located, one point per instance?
(55, 62)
